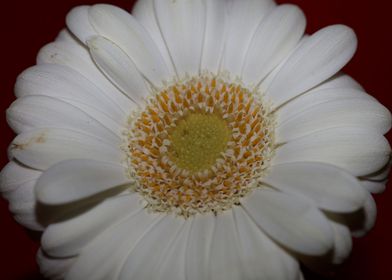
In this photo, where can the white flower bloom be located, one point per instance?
(194, 140)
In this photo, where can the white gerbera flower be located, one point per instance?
(194, 139)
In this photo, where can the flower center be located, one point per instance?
(198, 140)
(199, 145)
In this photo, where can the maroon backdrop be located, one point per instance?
(28, 25)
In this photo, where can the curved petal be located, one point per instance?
(54, 268)
(140, 263)
(331, 188)
(68, 238)
(43, 148)
(353, 112)
(243, 20)
(260, 256)
(78, 23)
(182, 24)
(319, 58)
(71, 54)
(72, 180)
(370, 215)
(343, 243)
(104, 257)
(121, 28)
(215, 32)
(317, 98)
(276, 36)
(341, 81)
(199, 247)
(119, 69)
(31, 112)
(356, 150)
(144, 13)
(13, 175)
(292, 221)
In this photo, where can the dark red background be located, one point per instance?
(28, 25)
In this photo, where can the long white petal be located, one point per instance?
(182, 24)
(174, 257)
(353, 112)
(318, 97)
(319, 58)
(140, 262)
(353, 149)
(121, 28)
(104, 257)
(199, 247)
(261, 258)
(69, 237)
(77, 179)
(215, 32)
(225, 261)
(119, 68)
(276, 36)
(244, 18)
(331, 188)
(144, 13)
(290, 220)
(43, 148)
(71, 54)
(32, 112)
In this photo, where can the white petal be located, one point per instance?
(340, 81)
(78, 23)
(319, 58)
(376, 182)
(172, 264)
(31, 112)
(244, 18)
(375, 187)
(77, 57)
(13, 175)
(53, 268)
(73, 180)
(369, 217)
(121, 28)
(214, 37)
(68, 238)
(43, 148)
(276, 36)
(261, 258)
(65, 84)
(292, 221)
(199, 247)
(119, 68)
(331, 188)
(141, 261)
(144, 13)
(103, 257)
(317, 97)
(356, 150)
(343, 243)
(353, 112)
(225, 262)
(182, 24)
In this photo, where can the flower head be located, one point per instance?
(194, 139)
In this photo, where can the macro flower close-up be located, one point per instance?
(194, 139)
